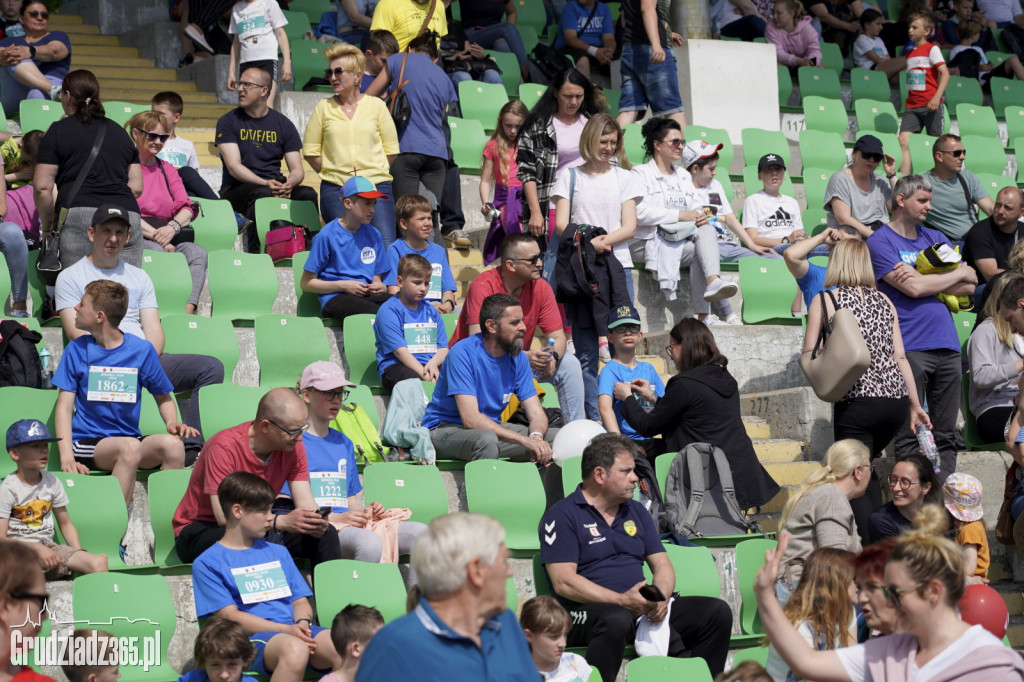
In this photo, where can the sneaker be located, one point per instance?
(243, 223)
(712, 321)
(720, 289)
(457, 239)
(570, 347)
(193, 32)
(55, 92)
(604, 353)
(186, 60)
(23, 314)
(733, 319)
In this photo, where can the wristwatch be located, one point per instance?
(32, 51)
(558, 358)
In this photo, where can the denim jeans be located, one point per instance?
(585, 341)
(644, 82)
(503, 37)
(15, 250)
(490, 76)
(12, 92)
(332, 206)
(568, 383)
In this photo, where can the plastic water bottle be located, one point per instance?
(927, 443)
(44, 360)
(549, 348)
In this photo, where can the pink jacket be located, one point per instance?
(802, 43)
(890, 659)
(156, 201)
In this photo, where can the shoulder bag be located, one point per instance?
(840, 355)
(48, 266)
(186, 233)
(398, 101)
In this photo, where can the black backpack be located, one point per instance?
(968, 62)
(19, 359)
(546, 64)
(700, 498)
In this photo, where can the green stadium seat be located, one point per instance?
(531, 13)
(633, 141)
(468, 142)
(876, 116)
(903, 89)
(698, 565)
(1006, 92)
(868, 84)
(165, 490)
(822, 150)
(658, 668)
(482, 102)
(530, 93)
(972, 438)
(758, 142)
(308, 304)
(171, 279)
(572, 474)
(996, 58)
(815, 182)
(121, 112)
(785, 85)
(213, 335)
(750, 558)
(222, 406)
(3, 120)
(964, 322)
(269, 209)
(613, 96)
(758, 654)
(976, 120)
(5, 285)
(768, 291)
(510, 73)
(38, 114)
(1014, 116)
(529, 35)
(243, 286)
(419, 489)
(22, 402)
(285, 345)
(308, 62)
(815, 220)
(963, 90)
(826, 115)
(215, 226)
(818, 82)
(984, 154)
(313, 9)
(150, 421)
(489, 486)
(994, 183)
(715, 136)
(298, 24)
(921, 157)
(359, 350)
(832, 57)
(342, 582)
(129, 606)
(753, 184)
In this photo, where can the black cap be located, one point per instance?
(868, 144)
(770, 160)
(110, 212)
(624, 314)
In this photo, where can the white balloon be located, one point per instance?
(573, 438)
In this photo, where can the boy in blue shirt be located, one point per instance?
(623, 334)
(347, 260)
(411, 338)
(100, 376)
(414, 217)
(222, 651)
(255, 583)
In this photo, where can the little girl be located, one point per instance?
(546, 623)
(795, 40)
(500, 166)
(869, 51)
(962, 496)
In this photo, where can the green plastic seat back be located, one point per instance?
(757, 142)
(165, 490)
(822, 150)
(307, 59)
(891, 146)
(815, 182)
(121, 112)
(964, 322)
(215, 226)
(285, 345)
(754, 184)
(307, 305)
(768, 291)
(572, 474)
(38, 114)
(633, 141)
(97, 509)
(1006, 92)
(345, 581)
(481, 101)
(972, 437)
(715, 136)
(213, 335)
(827, 115)
(984, 154)
(963, 90)
(512, 493)
(660, 668)
(171, 279)
(298, 24)
(243, 286)
(750, 558)
(876, 115)
(541, 580)
(222, 406)
(696, 572)
(510, 73)
(785, 85)
(832, 57)
(359, 349)
(974, 119)
(994, 183)
(815, 220)
(420, 489)
(150, 421)
(1014, 116)
(530, 93)
(614, 96)
(758, 654)
(868, 84)
(530, 36)
(22, 402)
(921, 157)
(531, 13)
(819, 82)
(269, 209)
(468, 142)
(313, 9)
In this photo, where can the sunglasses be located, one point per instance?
(532, 260)
(153, 137)
(36, 14)
(674, 143)
(896, 482)
(340, 394)
(877, 158)
(336, 72)
(628, 328)
(892, 594)
(292, 434)
(957, 153)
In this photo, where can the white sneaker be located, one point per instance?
(193, 32)
(570, 347)
(720, 289)
(734, 319)
(712, 321)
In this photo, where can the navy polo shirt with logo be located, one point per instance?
(574, 532)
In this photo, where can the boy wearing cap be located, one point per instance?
(624, 333)
(771, 218)
(347, 260)
(32, 497)
(961, 494)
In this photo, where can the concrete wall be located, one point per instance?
(118, 16)
(159, 41)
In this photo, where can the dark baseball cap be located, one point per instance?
(868, 144)
(110, 212)
(28, 431)
(770, 160)
(624, 314)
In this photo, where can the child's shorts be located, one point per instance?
(918, 118)
(84, 449)
(260, 641)
(64, 553)
(268, 65)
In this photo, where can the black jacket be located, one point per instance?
(702, 405)
(589, 284)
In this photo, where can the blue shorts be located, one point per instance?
(260, 640)
(645, 83)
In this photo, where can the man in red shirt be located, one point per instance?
(271, 447)
(519, 274)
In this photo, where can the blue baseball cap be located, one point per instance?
(361, 187)
(28, 431)
(624, 314)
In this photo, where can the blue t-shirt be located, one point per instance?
(442, 278)
(574, 17)
(107, 384)
(395, 326)
(616, 371)
(430, 91)
(58, 68)
(470, 370)
(199, 675)
(813, 283)
(925, 323)
(332, 470)
(612, 556)
(338, 254)
(272, 582)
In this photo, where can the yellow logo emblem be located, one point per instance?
(630, 528)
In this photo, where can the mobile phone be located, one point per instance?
(652, 593)
(324, 512)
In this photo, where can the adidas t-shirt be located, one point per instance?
(773, 217)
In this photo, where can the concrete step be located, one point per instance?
(65, 21)
(90, 62)
(154, 76)
(109, 48)
(82, 41)
(757, 428)
(779, 450)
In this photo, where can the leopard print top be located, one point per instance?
(875, 316)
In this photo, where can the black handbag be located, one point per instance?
(48, 266)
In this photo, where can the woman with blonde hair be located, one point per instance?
(875, 408)
(996, 358)
(924, 581)
(821, 608)
(349, 134)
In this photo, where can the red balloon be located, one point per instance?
(982, 605)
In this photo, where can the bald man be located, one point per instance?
(987, 245)
(269, 446)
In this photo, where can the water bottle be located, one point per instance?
(492, 213)
(927, 443)
(549, 348)
(44, 360)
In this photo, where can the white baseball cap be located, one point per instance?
(696, 150)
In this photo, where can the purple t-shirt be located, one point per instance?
(925, 323)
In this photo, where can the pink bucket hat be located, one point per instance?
(962, 496)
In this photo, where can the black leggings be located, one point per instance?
(395, 373)
(342, 305)
(992, 423)
(874, 422)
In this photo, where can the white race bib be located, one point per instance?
(113, 384)
(260, 583)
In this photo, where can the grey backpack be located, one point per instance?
(700, 498)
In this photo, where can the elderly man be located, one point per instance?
(987, 245)
(955, 191)
(461, 628)
(519, 274)
(271, 447)
(253, 139)
(594, 544)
